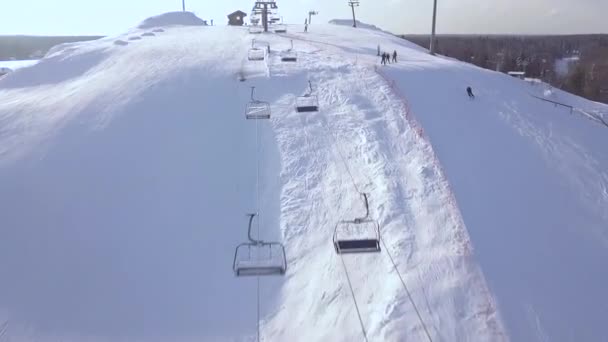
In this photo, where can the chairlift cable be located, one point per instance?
(352, 292)
(341, 155)
(409, 295)
(257, 206)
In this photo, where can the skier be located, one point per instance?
(395, 56)
(470, 93)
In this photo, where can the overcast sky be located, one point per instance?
(72, 17)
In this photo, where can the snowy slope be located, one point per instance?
(531, 180)
(126, 168)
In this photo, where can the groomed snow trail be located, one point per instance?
(361, 132)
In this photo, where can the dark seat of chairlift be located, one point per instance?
(307, 109)
(357, 246)
(259, 270)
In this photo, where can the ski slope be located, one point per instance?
(127, 167)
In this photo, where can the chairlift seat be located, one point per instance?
(308, 103)
(357, 236)
(357, 246)
(257, 110)
(289, 56)
(260, 259)
(256, 54)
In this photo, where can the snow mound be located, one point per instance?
(349, 22)
(5, 70)
(172, 18)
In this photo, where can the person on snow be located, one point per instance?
(388, 57)
(383, 61)
(470, 93)
(395, 56)
(378, 50)
(305, 25)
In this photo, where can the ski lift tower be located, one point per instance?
(310, 14)
(353, 4)
(433, 43)
(263, 6)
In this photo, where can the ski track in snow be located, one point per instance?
(368, 129)
(125, 186)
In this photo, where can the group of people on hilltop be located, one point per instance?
(386, 57)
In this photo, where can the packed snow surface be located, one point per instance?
(124, 187)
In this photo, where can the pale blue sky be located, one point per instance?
(69, 17)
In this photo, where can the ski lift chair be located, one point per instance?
(256, 54)
(289, 55)
(259, 258)
(255, 29)
(280, 29)
(257, 109)
(308, 102)
(361, 235)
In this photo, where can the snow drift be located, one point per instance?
(124, 188)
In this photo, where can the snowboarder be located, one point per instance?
(470, 93)
(395, 56)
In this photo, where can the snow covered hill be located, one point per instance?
(127, 167)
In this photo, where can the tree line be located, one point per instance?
(574, 63)
(33, 47)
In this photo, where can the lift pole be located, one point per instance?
(310, 14)
(432, 47)
(352, 4)
(263, 6)
(183, 5)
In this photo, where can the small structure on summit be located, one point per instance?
(517, 74)
(237, 18)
